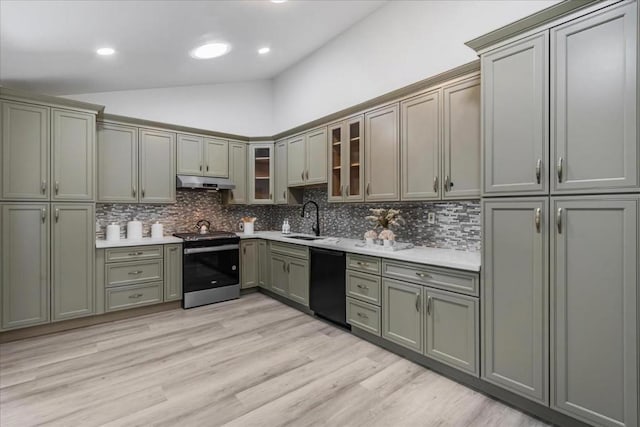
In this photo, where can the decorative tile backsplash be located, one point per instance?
(457, 223)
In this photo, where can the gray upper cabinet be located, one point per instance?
(117, 163)
(420, 147)
(281, 162)
(594, 308)
(25, 151)
(173, 272)
(402, 313)
(216, 157)
(461, 140)
(73, 155)
(190, 150)
(238, 173)
(594, 115)
(157, 166)
(249, 267)
(515, 297)
(346, 160)
(382, 154)
(316, 156)
(452, 330)
(515, 117)
(296, 160)
(24, 278)
(261, 168)
(72, 262)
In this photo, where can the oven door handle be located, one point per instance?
(221, 248)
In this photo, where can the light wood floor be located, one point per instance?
(248, 362)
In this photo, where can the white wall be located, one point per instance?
(238, 108)
(401, 43)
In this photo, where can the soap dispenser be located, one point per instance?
(286, 229)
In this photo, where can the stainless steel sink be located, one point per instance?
(304, 237)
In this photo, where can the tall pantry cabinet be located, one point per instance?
(560, 267)
(47, 219)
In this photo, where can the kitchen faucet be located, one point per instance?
(316, 227)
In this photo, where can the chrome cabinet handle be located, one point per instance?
(231, 194)
(447, 183)
(307, 174)
(43, 187)
(560, 169)
(364, 316)
(244, 250)
(342, 190)
(284, 194)
(365, 264)
(288, 268)
(133, 273)
(44, 215)
(207, 168)
(538, 169)
(57, 186)
(559, 220)
(346, 190)
(302, 175)
(284, 267)
(270, 196)
(57, 214)
(135, 253)
(143, 192)
(200, 168)
(133, 191)
(423, 275)
(435, 184)
(537, 220)
(135, 296)
(418, 302)
(429, 299)
(362, 287)
(173, 249)
(368, 188)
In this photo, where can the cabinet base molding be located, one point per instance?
(286, 301)
(50, 328)
(531, 408)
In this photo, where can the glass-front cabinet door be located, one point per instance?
(261, 173)
(346, 160)
(336, 142)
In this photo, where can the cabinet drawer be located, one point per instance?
(363, 263)
(363, 286)
(363, 316)
(133, 253)
(133, 296)
(449, 280)
(128, 273)
(298, 251)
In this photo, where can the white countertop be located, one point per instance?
(101, 244)
(449, 258)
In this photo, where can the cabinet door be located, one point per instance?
(263, 262)
(157, 166)
(515, 88)
(593, 103)
(515, 296)
(281, 185)
(402, 313)
(594, 309)
(382, 154)
(25, 152)
(249, 264)
(72, 260)
(462, 140)
(173, 272)
(336, 180)
(353, 155)
(24, 278)
(190, 153)
(452, 333)
(238, 172)
(296, 161)
(279, 276)
(216, 157)
(117, 163)
(316, 157)
(261, 174)
(298, 272)
(420, 147)
(74, 155)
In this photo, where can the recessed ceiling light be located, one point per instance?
(210, 50)
(264, 50)
(278, 1)
(105, 51)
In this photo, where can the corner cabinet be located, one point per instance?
(157, 166)
(237, 174)
(382, 154)
(346, 160)
(261, 183)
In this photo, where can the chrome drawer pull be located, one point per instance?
(362, 287)
(135, 296)
(43, 187)
(423, 275)
(365, 264)
(135, 253)
(364, 316)
(135, 272)
(537, 219)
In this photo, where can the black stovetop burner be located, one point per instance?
(212, 235)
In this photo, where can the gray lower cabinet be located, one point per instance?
(24, 272)
(382, 154)
(73, 153)
(24, 151)
(72, 261)
(173, 272)
(363, 316)
(515, 301)
(157, 166)
(594, 324)
(298, 272)
(117, 163)
(402, 314)
(515, 110)
(279, 276)
(124, 297)
(249, 267)
(290, 273)
(594, 116)
(263, 261)
(452, 330)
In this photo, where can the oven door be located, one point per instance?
(210, 267)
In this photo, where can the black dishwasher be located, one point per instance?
(327, 296)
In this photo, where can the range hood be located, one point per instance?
(204, 183)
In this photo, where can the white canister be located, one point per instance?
(113, 232)
(134, 230)
(248, 228)
(157, 231)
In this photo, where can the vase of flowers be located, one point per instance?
(384, 219)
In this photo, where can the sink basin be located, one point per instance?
(304, 237)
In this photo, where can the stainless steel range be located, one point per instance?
(210, 267)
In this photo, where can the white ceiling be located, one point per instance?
(49, 46)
